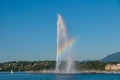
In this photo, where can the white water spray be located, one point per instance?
(64, 62)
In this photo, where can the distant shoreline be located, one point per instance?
(78, 72)
(49, 67)
(52, 72)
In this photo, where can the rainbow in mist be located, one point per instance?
(63, 48)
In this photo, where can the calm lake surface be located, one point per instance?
(26, 76)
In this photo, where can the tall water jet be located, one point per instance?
(64, 61)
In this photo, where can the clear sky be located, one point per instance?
(28, 28)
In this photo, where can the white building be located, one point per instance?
(113, 67)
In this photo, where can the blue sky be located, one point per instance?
(28, 28)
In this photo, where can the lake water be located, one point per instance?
(25, 76)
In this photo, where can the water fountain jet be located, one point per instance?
(64, 60)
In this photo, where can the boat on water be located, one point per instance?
(44, 71)
(11, 71)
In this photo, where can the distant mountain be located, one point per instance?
(86, 60)
(112, 58)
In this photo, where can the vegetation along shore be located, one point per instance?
(49, 66)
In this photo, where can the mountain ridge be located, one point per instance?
(115, 57)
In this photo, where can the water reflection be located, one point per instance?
(63, 77)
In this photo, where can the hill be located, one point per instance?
(115, 57)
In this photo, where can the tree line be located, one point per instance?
(49, 65)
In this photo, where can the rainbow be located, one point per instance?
(63, 48)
